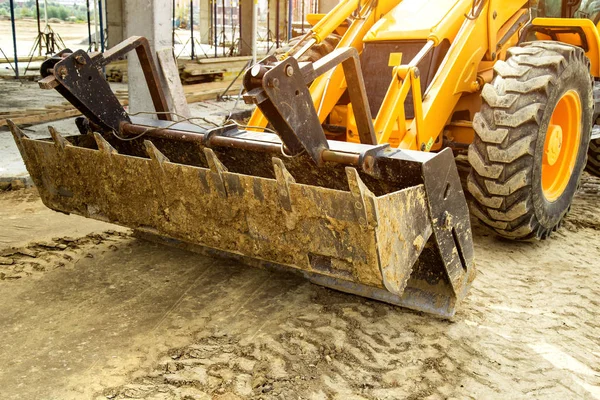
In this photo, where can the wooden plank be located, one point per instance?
(200, 87)
(21, 113)
(218, 60)
(211, 94)
(58, 107)
(43, 118)
(174, 89)
(210, 66)
(51, 113)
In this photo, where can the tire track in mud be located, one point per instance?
(336, 347)
(527, 329)
(584, 209)
(38, 257)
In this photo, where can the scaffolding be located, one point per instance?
(214, 28)
(48, 41)
(215, 25)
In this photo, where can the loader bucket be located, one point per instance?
(401, 235)
(383, 223)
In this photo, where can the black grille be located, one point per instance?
(378, 75)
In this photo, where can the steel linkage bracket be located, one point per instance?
(281, 93)
(445, 200)
(79, 78)
(280, 90)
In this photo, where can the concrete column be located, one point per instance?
(286, 18)
(114, 22)
(327, 5)
(273, 18)
(152, 19)
(204, 26)
(282, 21)
(246, 27)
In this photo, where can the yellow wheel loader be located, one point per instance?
(346, 170)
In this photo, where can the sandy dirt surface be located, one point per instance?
(96, 313)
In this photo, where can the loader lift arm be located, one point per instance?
(281, 93)
(66, 72)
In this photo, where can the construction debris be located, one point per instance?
(190, 71)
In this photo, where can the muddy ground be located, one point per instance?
(88, 311)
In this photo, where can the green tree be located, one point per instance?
(25, 12)
(52, 12)
(63, 13)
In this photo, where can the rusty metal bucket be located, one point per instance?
(401, 236)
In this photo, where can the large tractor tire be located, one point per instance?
(593, 163)
(531, 142)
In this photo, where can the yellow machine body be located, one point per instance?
(443, 107)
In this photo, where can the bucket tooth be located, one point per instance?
(103, 145)
(364, 206)
(155, 154)
(284, 179)
(19, 136)
(16, 131)
(58, 139)
(217, 170)
(213, 161)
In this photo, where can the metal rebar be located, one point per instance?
(302, 16)
(6, 58)
(289, 20)
(246, 66)
(192, 26)
(89, 25)
(14, 33)
(254, 29)
(39, 27)
(100, 21)
(231, 26)
(96, 33)
(173, 29)
(277, 26)
(223, 24)
(215, 33)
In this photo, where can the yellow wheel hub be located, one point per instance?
(554, 145)
(561, 145)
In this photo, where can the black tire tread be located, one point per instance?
(593, 163)
(502, 153)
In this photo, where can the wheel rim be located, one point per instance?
(561, 145)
